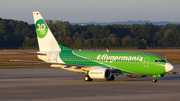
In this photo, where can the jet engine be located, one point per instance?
(99, 73)
(136, 76)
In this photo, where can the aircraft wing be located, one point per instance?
(71, 67)
(52, 63)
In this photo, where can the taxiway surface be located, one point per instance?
(54, 84)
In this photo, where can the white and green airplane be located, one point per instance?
(96, 64)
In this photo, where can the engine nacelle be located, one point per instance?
(99, 73)
(136, 76)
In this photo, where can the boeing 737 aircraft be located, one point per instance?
(96, 64)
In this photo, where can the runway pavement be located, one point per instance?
(54, 84)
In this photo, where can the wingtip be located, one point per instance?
(14, 60)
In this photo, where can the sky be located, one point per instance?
(77, 11)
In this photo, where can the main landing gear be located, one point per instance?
(87, 78)
(154, 80)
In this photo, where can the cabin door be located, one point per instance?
(146, 60)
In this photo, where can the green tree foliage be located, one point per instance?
(15, 33)
(127, 41)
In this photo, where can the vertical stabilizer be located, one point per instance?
(46, 40)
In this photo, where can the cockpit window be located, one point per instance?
(160, 61)
(163, 60)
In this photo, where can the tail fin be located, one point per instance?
(46, 40)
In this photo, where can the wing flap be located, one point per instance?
(52, 63)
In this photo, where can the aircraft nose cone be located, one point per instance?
(168, 67)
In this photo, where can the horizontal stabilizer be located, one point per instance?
(29, 53)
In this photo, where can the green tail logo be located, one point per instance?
(41, 28)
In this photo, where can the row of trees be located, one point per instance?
(20, 34)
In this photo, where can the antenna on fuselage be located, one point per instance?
(107, 50)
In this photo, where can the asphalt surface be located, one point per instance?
(54, 84)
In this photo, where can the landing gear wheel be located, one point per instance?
(154, 80)
(87, 78)
(111, 78)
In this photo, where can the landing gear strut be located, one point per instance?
(87, 78)
(111, 78)
(154, 80)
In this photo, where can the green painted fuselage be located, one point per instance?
(124, 62)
